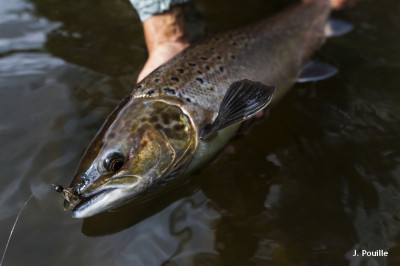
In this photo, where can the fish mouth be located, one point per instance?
(98, 200)
(81, 203)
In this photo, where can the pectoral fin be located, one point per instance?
(243, 99)
(315, 71)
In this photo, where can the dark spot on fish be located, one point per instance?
(175, 117)
(212, 49)
(153, 119)
(188, 100)
(144, 143)
(221, 69)
(140, 132)
(203, 58)
(192, 64)
(168, 132)
(139, 86)
(234, 43)
(219, 57)
(199, 72)
(102, 145)
(150, 136)
(156, 80)
(233, 57)
(150, 92)
(142, 119)
(165, 118)
(180, 70)
(179, 127)
(230, 36)
(212, 89)
(200, 80)
(207, 67)
(175, 79)
(217, 39)
(158, 126)
(170, 91)
(111, 135)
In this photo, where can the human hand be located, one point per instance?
(161, 54)
(166, 36)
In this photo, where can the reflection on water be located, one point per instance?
(315, 181)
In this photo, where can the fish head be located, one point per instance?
(140, 148)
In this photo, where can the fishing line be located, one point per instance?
(13, 227)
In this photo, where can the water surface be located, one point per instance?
(309, 185)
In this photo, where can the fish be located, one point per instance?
(183, 113)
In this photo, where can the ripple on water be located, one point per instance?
(315, 181)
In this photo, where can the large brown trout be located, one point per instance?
(184, 112)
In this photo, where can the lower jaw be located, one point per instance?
(78, 208)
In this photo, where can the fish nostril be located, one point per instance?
(84, 177)
(78, 188)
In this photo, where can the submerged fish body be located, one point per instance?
(179, 116)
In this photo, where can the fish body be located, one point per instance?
(167, 126)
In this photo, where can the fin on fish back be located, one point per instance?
(337, 27)
(243, 99)
(315, 71)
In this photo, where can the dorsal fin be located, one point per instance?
(243, 99)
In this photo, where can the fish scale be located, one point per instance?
(201, 78)
(184, 112)
(271, 51)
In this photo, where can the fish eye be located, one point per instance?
(114, 162)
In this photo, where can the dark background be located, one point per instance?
(309, 185)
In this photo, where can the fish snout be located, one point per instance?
(93, 197)
(71, 198)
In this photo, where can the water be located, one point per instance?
(315, 181)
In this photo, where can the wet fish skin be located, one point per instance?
(155, 130)
(152, 139)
